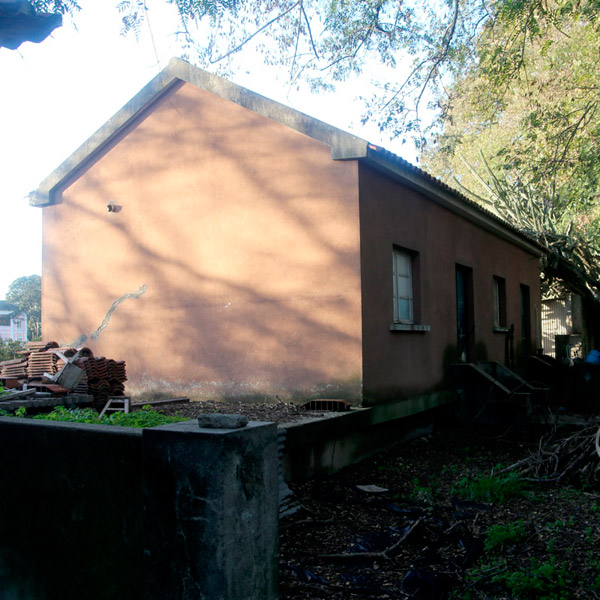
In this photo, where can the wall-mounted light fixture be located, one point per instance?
(112, 207)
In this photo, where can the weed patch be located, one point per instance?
(537, 580)
(495, 489)
(499, 536)
(143, 418)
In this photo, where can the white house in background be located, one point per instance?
(562, 326)
(13, 324)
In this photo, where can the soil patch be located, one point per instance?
(435, 519)
(281, 412)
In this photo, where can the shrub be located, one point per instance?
(143, 418)
(541, 581)
(9, 349)
(491, 488)
(500, 535)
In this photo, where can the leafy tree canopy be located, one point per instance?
(9, 350)
(425, 44)
(545, 127)
(523, 138)
(531, 149)
(26, 294)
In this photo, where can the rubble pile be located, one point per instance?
(42, 362)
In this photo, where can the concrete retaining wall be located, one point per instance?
(172, 512)
(336, 440)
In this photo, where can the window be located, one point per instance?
(499, 302)
(403, 287)
(5, 320)
(407, 312)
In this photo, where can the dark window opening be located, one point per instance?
(525, 320)
(499, 302)
(465, 316)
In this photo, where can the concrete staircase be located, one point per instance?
(491, 393)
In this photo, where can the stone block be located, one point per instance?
(210, 512)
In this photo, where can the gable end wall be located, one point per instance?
(231, 265)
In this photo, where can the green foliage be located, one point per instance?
(495, 489)
(421, 46)
(573, 253)
(499, 536)
(421, 492)
(559, 524)
(452, 469)
(539, 580)
(143, 418)
(70, 415)
(10, 349)
(516, 566)
(532, 580)
(20, 412)
(521, 134)
(55, 6)
(26, 294)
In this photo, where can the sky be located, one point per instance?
(56, 94)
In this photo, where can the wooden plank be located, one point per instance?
(70, 400)
(13, 395)
(157, 403)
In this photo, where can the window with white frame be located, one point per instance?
(403, 286)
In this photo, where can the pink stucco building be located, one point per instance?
(225, 245)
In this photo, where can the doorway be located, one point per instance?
(465, 320)
(525, 321)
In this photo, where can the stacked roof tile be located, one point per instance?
(14, 369)
(102, 377)
(42, 362)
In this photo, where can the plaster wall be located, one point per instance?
(231, 265)
(402, 363)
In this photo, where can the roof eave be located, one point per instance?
(413, 179)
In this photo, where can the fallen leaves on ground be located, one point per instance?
(451, 524)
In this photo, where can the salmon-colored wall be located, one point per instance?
(399, 364)
(246, 236)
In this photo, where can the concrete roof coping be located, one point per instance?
(343, 145)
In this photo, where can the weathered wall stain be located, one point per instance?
(105, 322)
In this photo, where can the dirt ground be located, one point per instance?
(442, 518)
(426, 537)
(280, 412)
